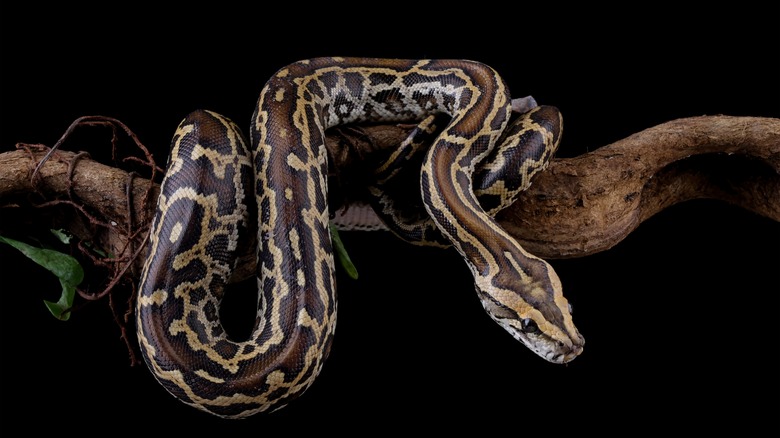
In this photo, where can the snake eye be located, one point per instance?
(571, 308)
(528, 325)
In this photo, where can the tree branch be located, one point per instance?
(578, 206)
(589, 203)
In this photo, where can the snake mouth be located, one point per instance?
(554, 351)
(565, 356)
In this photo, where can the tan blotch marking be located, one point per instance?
(175, 232)
(288, 194)
(275, 379)
(279, 96)
(295, 162)
(157, 297)
(209, 377)
(295, 243)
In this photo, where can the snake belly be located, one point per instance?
(204, 218)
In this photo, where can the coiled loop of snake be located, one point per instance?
(204, 213)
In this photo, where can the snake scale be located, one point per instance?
(475, 165)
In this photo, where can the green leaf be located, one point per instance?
(61, 309)
(62, 236)
(65, 267)
(341, 253)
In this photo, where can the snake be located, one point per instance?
(222, 193)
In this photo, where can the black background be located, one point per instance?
(680, 318)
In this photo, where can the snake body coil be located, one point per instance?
(478, 162)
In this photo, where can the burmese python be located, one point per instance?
(475, 165)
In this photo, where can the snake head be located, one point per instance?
(547, 342)
(536, 313)
(545, 338)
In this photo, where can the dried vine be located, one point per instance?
(119, 240)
